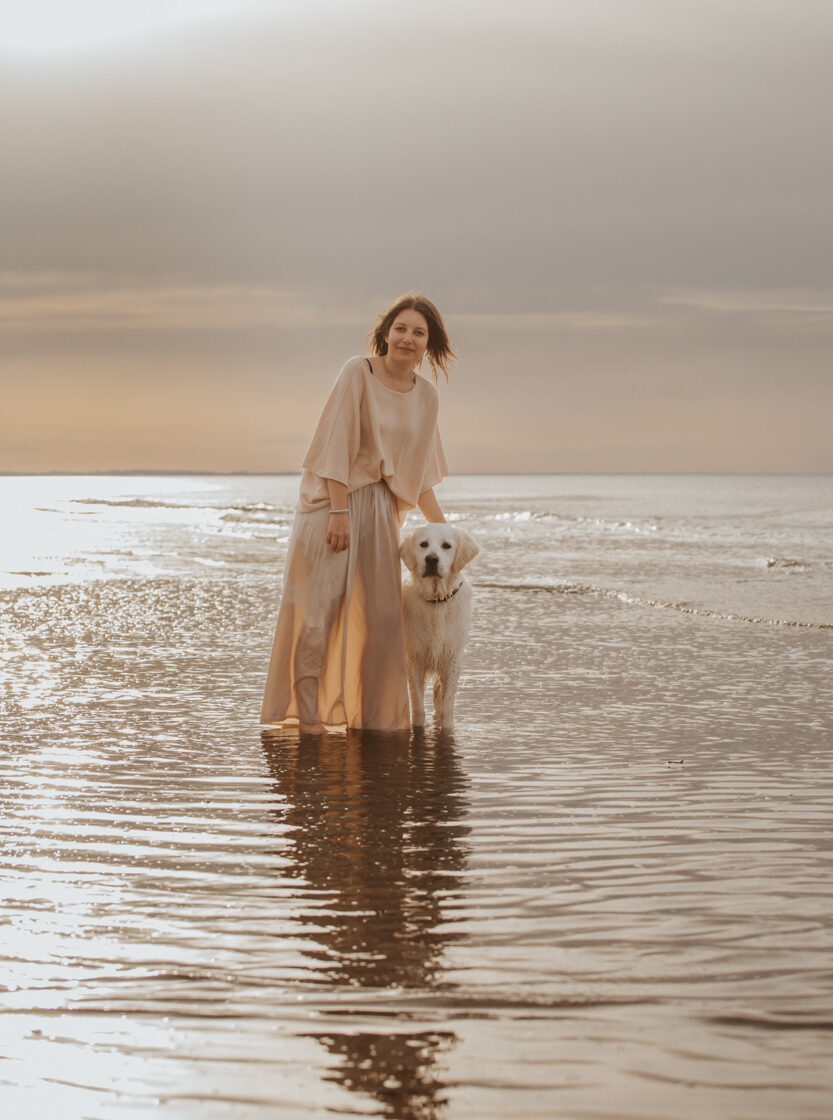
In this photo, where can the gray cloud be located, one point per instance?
(617, 201)
(541, 158)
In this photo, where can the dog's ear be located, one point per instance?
(407, 550)
(467, 549)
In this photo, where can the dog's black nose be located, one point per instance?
(431, 560)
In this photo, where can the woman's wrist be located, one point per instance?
(332, 511)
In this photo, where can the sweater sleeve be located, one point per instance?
(335, 444)
(436, 468)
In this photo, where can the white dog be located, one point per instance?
(437, 605)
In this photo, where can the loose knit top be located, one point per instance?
(369, 432)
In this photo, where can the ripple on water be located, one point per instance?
(608, 895)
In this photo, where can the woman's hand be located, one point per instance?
(430, 507)
(338, 531)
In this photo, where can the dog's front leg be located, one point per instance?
(448, 691)
(438, 699)
(416, 687)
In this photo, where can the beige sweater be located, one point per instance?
(369, 432)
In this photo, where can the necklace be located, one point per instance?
(397, 380)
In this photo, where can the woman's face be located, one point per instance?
(408, 336)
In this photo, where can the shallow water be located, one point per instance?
(609, 895)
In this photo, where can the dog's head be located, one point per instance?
(437, 550)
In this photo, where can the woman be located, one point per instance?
(339, 652)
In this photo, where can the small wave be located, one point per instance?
(637, 601)
(266, 516)
(785, 563)
(539, 516)
(132, 503)
(774, 1022)
(530, 515)
(619, 526)
(517, 515)
(253, 511)
(245, 511)
(561, 588)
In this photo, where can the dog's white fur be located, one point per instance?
(436, 632)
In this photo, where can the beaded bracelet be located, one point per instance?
(339, 511)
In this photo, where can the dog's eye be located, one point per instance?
(446, 544)
(423, 544)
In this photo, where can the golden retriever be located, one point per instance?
(437, 606)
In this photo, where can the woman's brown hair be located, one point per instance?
(438, 348)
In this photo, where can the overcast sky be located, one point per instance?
(623, 208)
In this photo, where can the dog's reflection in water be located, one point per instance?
(378, 840)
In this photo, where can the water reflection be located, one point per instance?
(378, 844)
(400, 1071)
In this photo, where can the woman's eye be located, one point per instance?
(446, 544)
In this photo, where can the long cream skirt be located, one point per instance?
(339, 652)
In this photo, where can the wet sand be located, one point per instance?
(608, 896)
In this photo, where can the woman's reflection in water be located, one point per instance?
(378, 840)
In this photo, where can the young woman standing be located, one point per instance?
(338, 657)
